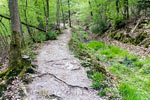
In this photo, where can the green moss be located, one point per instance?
(15, 50)
(126, 38)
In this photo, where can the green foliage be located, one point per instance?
(145, 69)
(40, 37)
(118, 22)
(76, 39)
(100, 26)
(86, 64)
(130, 92)
(120, 69)
(104, 91)
(138, 64)
(52, 35)
(95, 45)
(98, 79)
(130, 69)
(2, 89)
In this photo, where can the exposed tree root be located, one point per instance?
(56, 60)
(16, 70)
(3, 73)
(22, 72)
(69, 85)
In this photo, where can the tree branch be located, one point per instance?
(24, 23)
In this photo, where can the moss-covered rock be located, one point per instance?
(126, 38)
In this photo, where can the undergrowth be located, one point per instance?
(132, 71)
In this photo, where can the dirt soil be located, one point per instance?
(60, 75)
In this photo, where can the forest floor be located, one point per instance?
(59, 74)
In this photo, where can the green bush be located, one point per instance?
(100, 26)
(119, 22)
(52, 35)
(40, 37)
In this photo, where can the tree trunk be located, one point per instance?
(44, 8)
(69, 12)
(47, 18)
(62, 10)
(91, 9)
(26, 19)
(22, 36)
(15, 58)
(126, 9)
(117, 6)
(58, 15)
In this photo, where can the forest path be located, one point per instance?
(60, 75)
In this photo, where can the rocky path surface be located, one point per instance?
(60, 75)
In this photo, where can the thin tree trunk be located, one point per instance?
(26, 19)
(91, 9)
(62, 10)
(126, 9)
(69, 12)
(58, 15)
(117, 6)
(22, 37)
(15, 59)
(4, 31)
(47, 18)
(4, 35)
(44, 7)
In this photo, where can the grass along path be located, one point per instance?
(132, 71)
